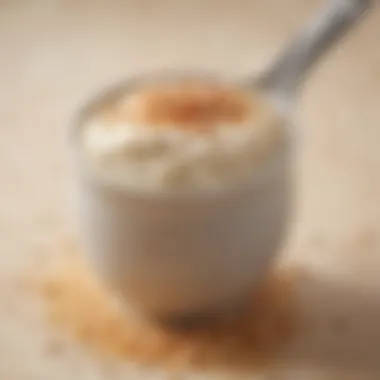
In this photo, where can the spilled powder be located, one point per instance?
(77, 302)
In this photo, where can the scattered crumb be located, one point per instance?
(79, 303)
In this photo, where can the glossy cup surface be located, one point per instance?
(177, 253)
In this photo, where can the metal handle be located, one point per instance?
(332, 23)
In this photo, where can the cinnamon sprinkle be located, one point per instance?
(77, 302)
(186, 105)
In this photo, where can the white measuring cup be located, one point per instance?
(172, 255)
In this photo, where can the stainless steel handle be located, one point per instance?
(284, 77)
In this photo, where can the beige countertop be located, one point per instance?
(54, 54)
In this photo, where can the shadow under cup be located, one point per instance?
(181, 256)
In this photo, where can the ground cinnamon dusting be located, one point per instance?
(77, 302)
(189, 105)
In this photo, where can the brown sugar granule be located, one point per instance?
(186, 105)
(78, 302)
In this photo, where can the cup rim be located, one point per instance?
(259, 179)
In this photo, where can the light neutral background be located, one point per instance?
(55, 54)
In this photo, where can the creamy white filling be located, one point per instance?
(146, 157)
